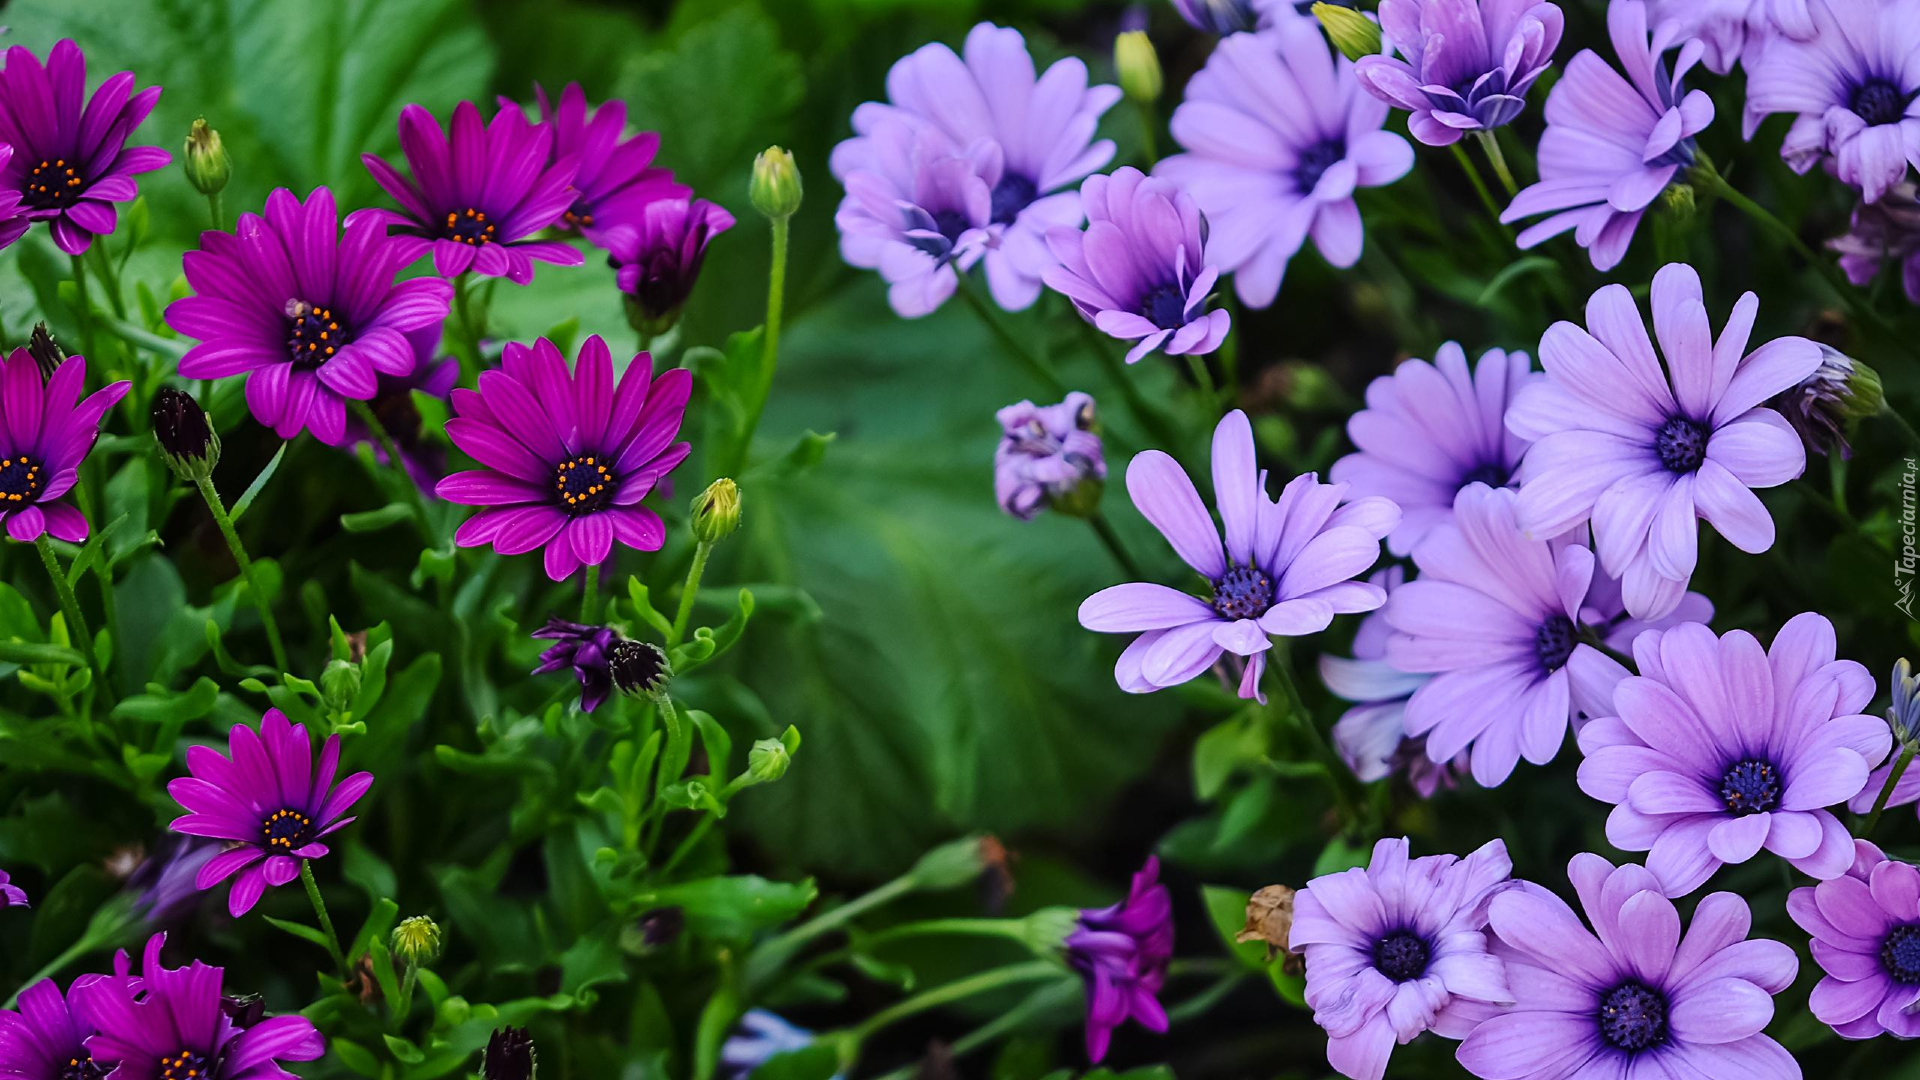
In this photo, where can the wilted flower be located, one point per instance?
(1049, 455)
(187, 441)
(1141, 270)
(1269, 918)
(1468, 64)
(614, 178)
(1825, 404)
(11, 895)
(49, 435)
(1122, 953)
(566, 456)
(1884, 233)
(638, 667)
(510, 1055)
(657, 258)
(1866, 939)
(208, 166)
(268, 800)
(478, 196)
(583, 649)
(70, 162)
(775, 187)
(715, 512)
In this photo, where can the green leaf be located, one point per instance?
(1227, 908)
(170, 708)
(259, 482)
(819, 1061)
(732, 907)
(403, 1051)
(299, 930)
(28, 652)
(368, 521)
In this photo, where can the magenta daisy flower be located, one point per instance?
(310, 314)
(46, 1039)
(1278, 135)
(1634, 996)
(1372, 736)
(1390, 948)
(11, 895)
(1731, 28)
(581, 650)
(1468, 64)
(1429, 430)
(1866, 938)
(1140, 270)
(566, 457)
(1122, 953)
(1614, 143)
(1287, 568)
(269, 800)
(70, 160)
(46, 431)
(615, 178)
(479, 194)
(657, 253)
(1719, 748)
(1642, 450)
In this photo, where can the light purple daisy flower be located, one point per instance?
(310, 314)
(269, 800)
(1633, 997)
(70, 161)
(1903, 722)
(1047, 456)
(566, 456)
(1391, 948)
(1121, 953)
(919, 210)
(614, 179)
(1852, 86)
(1141, 271)
(1278, 135)
(1613, 144)
(1731, 29)
(1642, 450)
(11, 895)
(1884, 234)
(46, 432)
(1866, 938)
(1469, 63)
(1287, 568)
(478, 195)
(1431, 429)
(1372, 736)
(1719, 748)
(1043, 127)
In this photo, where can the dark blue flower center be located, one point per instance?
(1633, 1017)
(81, 1067)
(1900, 955)
(579, 215)
(1494, 474)
(1165, 307)
(949, 223)
(1554, 642)
(1681, 444)
(469, 226)
(52, 184)
(584, 484)
(185, 1065)
(314, 334)
(1243, 592)
(285, 831)
(1879, 101)
(1315, 160)
(19, 479)
(1401, 956)
(1011, 195)
(1751, 787)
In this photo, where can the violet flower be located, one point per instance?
(1852, 86)
(1642, 450)
(1042, 127)
(1865, 927)
(1884, 233)
(1278, 135)
(1122, 952)
(1140, 271)
(658, 252)
(1286, 570)
(1429, 430)
(1634, 996)
(1221, 17)
(1372, 736)
(11, 895)
(393, 405)
(1719, 748)
(310, 314)
(1049, 455)
(70, 160)
(165, 880)
(46, 1039)
(1731, 28)
(614, 179)
(1468, 66)
(1614, 143)
(478, 195)
(269, 800)
(47, 430)
(920, 212)
(566, 456)
(583, 650)
(1390, 948)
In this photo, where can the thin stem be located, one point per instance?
(688, 591)
(1149, 144)
(958, 990)
(320, 912)
(260, 602)
(1900, 422)
(213, 211)
(83, 309)
(1203, 380)
(134, 335)
(1014, 929)
(399, 464)
(1479, 185)
(1886, 790)
(1008, 344)
(1148, 417)
(769, 344)
(772, 955)
(1104, 530)
(70, 607)
(1498, 160)
(1042, 1000)
(405, 1005)
(56, 965)
(590, 595)
(1303, 720)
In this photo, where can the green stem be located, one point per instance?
(1277, 664)
(1045, 999)
(213, 211)
(83, 309)
(1104, 530)
(1900, 422)
(109, 279)
(772, 955)
(398, 463)
(958, 990)
(54, 966)
(1149, 145)
(470, 329)
(1886, 790)
(320, 912)
(1015, 929)
(769, 345)
(1498, 160)
(1203, 380)
(404, 1006)
(688, 591)
(260, 600)
(76, 622)
(590, 595)
(1151, 419)
(134, 335)
(1034, 366)
(1479, 185)
(687, 844)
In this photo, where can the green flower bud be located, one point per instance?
(951, 865)
(1350, 31)
(1824, 407)
(187, 440)
(775, 189)
(767, 761)
(716, 511)
(1679, 203)
(208, 166)
(1138, 66)
(417, 940)
(340, 684)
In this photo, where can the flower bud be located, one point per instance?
(208, 166)
(638, 668)
(1680, 203)
(417, 940)
(1046, 931)
(187, 440)
(1138, 66)
(775, 188)
(1904, 714)
(1350, 31)
(1826, 403)
(716, 511)
(46, 352)
(769, 758)
(510, 1055)
(339, 685)
(950, 865)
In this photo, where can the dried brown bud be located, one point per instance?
(1269, 918)
(996, 882)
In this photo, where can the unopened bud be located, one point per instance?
(769, 758)
(208, 166)
(510, 1055)
(716, 511)
(46, 352)
(638, 668)
(1826, 404)
(417, 940)
(339, 685)
(187, 440)
(1138, 66)
(1047, 930)
(775, 188)
(1351, 32)
(1904, 714)
(951, 865)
